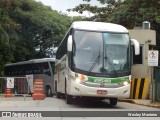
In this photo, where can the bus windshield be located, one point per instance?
(101, 52)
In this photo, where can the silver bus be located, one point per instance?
(32, 69)
(94, 60)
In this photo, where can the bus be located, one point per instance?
(35, 69)
(94, 61)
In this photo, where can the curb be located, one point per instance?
(134, 102)
(149, 105)
(127, 100)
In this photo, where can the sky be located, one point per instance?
(63, 5)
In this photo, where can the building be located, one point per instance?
(140, 68)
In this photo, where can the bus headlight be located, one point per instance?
(81, 78)
(78, 80)
(125, 83)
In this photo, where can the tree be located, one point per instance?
(100, 13)
(29, 30)
(4, 44)
(129, 13)
(37, 29)
(40, 30)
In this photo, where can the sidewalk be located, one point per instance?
(141, 102)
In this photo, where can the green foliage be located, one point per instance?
(129, 13)
(42, 28)
(4, 39)
(29, 30)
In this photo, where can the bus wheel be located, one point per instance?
(113, 101)
(68, 99)
(58, 95)
(49, 92)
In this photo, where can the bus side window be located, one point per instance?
(52, 66)
(28, 69)
(46, 69)
(37, 69)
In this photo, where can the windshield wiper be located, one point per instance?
(95, 62)
(110, 64)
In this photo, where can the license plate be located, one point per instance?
(101, 92)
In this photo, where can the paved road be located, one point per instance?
(50, 104)
(54, 104)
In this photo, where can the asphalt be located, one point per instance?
(145, 102)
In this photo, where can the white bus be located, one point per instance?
(36, 68)
(94, 60)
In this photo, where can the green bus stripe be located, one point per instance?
(113, 80)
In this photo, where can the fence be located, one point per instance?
(17, 85)
(157, 83)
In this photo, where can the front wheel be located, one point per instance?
(58, 95)
(68, 99)
(113, 101)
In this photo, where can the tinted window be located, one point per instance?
(37, 68)
(138, 59)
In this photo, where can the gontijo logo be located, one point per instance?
(102, 80)
(107, 80)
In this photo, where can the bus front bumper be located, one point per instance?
(78, 89)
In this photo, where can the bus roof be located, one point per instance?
(99, 26)
(33, 61)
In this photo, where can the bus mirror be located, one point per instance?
(136, 46)
(69, 43)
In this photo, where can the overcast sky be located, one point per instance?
(63, 5)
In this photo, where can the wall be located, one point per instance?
(145, 37)
(143, 70)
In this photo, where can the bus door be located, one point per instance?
(51, 69)
(30, 83)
